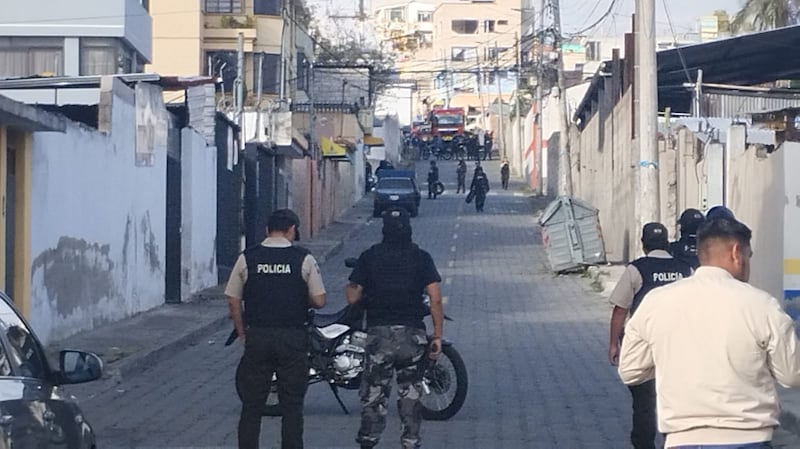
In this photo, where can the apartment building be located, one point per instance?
(407, 27)
(57, 38)
(200, 37)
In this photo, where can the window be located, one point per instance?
(593, 51)
(425, 39)
(464, 54)
(270, 73)
(100, 56)
(267, 7)
(23, 350)
(302, 72)
(396, 15)
(493, 53)
(488, 26)
(27, 56)
(223, 6)
(424, 16)
(222, 64)
(464, 26)
(502, 22)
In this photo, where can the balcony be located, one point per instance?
(224, 30)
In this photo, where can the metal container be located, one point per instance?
(571, 235)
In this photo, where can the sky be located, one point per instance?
(576, 13)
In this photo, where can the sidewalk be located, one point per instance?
(134, 344)
(603, 279)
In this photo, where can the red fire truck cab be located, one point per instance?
(447, 123)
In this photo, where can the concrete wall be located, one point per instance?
(97, 218)
(198, 213)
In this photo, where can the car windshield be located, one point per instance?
(395, 184)
(449, 119)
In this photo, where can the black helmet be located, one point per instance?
(720, 212)
(690, 220)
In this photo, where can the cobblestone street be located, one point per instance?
(534, 345)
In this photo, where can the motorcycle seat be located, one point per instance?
(326, 319)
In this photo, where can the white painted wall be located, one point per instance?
(97, 223)
(198, 213)
(791, 248)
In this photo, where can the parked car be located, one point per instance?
(35, 412)
(396, 192)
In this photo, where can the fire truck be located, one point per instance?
(447, 123)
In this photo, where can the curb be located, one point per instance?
(135, 364)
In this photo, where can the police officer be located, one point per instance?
(655, 269)
(685, 248)
(433, 178)
(480, 188)
(393, 275)
(278, 283)
(461, 177)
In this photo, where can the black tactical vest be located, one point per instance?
(685, 250)
(657, 272)
(275, 294)
(394, 291)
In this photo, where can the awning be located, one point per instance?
(331, 149)
(372, 141)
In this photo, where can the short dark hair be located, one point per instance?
(723, 228)
(282, 220)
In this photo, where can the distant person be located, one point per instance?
(719, 212)
(488, 144)
(685, 248)
(461, 175)
(716, 347)
(505, 174)
(384, 165)
(655, 269)
(433, 179)
(480, 188)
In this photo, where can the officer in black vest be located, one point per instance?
(392, 276)
(656, 269)
(278, 283)
(685, 248)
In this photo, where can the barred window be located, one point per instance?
(223, 6)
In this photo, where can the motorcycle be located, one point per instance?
(337, 357)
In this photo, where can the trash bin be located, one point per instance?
(571, 235)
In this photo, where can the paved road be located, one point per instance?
(534, 345)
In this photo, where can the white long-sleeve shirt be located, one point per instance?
(716, 347)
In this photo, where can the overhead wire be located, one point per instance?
(675, 42)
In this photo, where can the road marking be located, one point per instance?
(445, 299)
(455, 236)
(451, 264)
(448, 281)
(458, 225)
(453, 249)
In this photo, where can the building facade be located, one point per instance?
(192, 37)
(91, 37)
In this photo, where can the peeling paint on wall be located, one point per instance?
(76, 273)
(150, 245)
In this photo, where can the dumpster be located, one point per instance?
(571, 235)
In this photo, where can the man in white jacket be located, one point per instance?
(716, 346)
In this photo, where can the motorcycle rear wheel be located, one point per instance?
(448, 381)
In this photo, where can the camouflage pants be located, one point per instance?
(392, 349)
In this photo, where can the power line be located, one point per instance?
(598, 21)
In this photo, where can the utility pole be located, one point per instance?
(499, 98)
(539, 94)
(564, 160)
(480, 96)
(447, 81)
(239, 98)
(649, 198)
(517, 110)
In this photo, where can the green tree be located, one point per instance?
(760, 15)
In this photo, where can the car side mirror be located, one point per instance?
(350, 262)
(78, 367)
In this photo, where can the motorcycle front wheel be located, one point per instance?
(446, 386)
